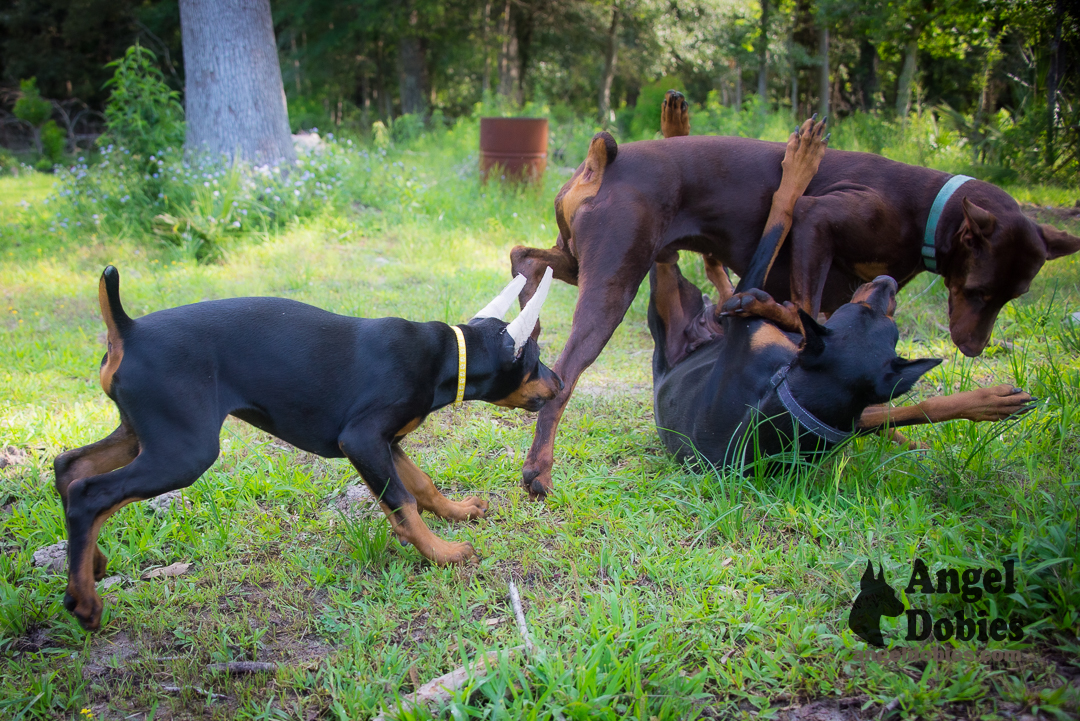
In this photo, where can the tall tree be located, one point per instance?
(234, 99)
(610, 57)
(411, 64)
(763, 54)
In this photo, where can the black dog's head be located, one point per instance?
(855, 351)
(509, 370)
(515, 377)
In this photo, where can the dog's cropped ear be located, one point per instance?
(902, 375)
(978, 223)
(1058, 242)
(813, 336)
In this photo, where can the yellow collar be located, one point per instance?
(460, 365)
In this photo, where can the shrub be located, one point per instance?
(30, 106)
(53, 141)
(143, 114)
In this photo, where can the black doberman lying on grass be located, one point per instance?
(772, 367)
(332, 385)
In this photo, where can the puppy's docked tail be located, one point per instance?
(117, 324)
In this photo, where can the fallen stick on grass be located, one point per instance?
(240, 667)
(196, 689)
(443, 688)
(515, 601)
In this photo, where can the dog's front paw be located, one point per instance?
(999, 403)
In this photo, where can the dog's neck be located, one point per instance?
(831, 403)
(446, 380)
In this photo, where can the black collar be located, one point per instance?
(805, 418)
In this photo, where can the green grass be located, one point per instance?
(652, 592)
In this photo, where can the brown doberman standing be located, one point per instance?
(861, 216)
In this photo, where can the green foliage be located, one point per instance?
(30, 106)
(143, 114)
(53, 141)
(196, 204)
(9, 164)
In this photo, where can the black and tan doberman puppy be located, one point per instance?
(771, 367)
(329, 384)
(861, 216)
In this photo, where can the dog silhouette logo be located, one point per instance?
(876, 599)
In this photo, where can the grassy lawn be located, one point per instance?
(651, 591)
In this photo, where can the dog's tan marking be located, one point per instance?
(409, 427)
(81, 578)
(112, 335)
(531, 389)
(409, 527)
(586, 184)
(428, 497)
(767, 335)
(869, 271)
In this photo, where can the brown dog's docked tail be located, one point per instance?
(602, 152)
(117, 324)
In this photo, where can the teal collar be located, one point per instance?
(929, 248)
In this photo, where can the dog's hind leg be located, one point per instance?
(604, 296)
(175, 461)
(114, 451)
(428, 497)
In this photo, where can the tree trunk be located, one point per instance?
(866, 75)
(763, 55)
(738, 86)
(794, 67)
(411, 68)
(907, 77)
(823, 70)
(524, 27)
(485, 80)
(234, 99)
(508, 55)
(610, 57)
(1053, 76)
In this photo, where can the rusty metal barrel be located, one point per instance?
(517, 145)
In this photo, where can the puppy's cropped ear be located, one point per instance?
(978, 224)
(1058, 242)
(902, 375)
(814, 336)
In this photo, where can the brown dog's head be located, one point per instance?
(988, 262)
